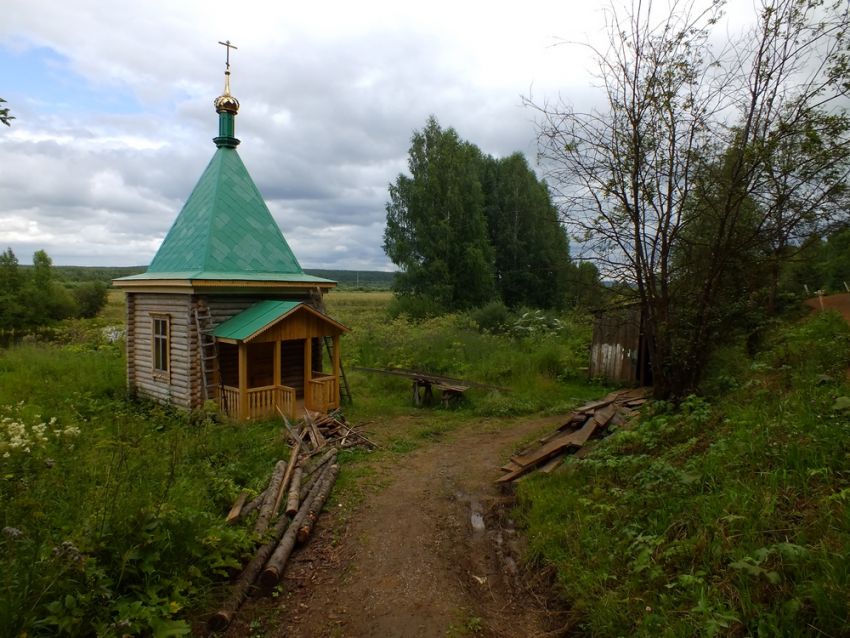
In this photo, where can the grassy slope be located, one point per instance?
(730, 518)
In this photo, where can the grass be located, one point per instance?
(543, 366)
(113, 509)
(721, 518)
(112, 518)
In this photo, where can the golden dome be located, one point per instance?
(227, 103)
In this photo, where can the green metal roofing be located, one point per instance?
(224, 227)
(255, 318)
(229, 276)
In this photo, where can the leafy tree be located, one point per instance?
(13, 314)
(46, 299)
(5, 118)
(90, 298)
(632, 174)
(33, 297)
(532, 260)
(436, 230)
(584, 289)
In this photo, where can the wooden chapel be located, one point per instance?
(225, 312)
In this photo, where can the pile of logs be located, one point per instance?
(302, 485)
(585, 422)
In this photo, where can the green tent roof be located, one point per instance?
(225, 231)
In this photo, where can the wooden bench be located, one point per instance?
(423, 392)
(451, 390)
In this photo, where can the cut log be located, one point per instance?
(236, 510)
(294, 493)
(307, 484)
(221, 619)
(276, 563)
(510, 466)
(269, 502)
(316, 506)
(327, 456)
(290, 469)
(254, 504)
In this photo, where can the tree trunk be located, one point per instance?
(221, 619)
(271, 495)
(274, 567)
(294, 493)
(316, 506)
(290, 468)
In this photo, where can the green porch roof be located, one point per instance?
(255, 318)
(262, 315)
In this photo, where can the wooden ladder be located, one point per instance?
(344, 390)
(208, 352)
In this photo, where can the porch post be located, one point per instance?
(243, 381)
(336, 369)
(276, 376)
(308, 371)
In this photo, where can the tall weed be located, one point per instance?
(112, 521)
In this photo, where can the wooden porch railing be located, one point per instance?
(323, 393)
(261, 402)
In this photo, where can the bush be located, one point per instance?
(90, 298)
(491, 318)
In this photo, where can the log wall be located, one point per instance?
(183, 386)
(175, 386)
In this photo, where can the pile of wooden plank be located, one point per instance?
(585, 422)
(291, 503)
(332, 429)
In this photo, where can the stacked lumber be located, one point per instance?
(332, 429)
(301, 485)
(590, 420)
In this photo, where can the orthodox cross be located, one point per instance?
(229, 46)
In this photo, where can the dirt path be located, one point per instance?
(423, 556)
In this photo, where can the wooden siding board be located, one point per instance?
(615, 348)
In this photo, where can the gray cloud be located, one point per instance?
(98, 163)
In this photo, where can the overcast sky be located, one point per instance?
(114, 111)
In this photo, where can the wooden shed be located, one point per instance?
(225, 312)
(618, 351)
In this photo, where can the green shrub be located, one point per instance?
(492, 317)
(713, 519)
(90, 298)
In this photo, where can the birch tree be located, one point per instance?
(687, 150)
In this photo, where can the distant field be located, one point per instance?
(347, 279)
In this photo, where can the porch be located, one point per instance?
(271, 360)
(264, 402)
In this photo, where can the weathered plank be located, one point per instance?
(529, 461)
